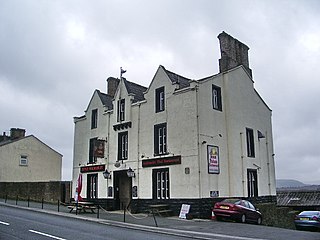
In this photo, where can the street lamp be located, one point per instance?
(106, 174)
(131, 173)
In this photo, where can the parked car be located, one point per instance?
(238, 210)
(307, 219)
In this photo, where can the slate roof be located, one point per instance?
(178, 79)
(298, 198)
(106, 99)
(135, 89)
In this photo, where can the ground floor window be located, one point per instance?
(252, 183)
(160, 183)
(92, 186)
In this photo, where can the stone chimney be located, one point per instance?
(233, 53)
(112, 86)
(17, 133)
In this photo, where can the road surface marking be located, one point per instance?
(4, 223)
(47, 235)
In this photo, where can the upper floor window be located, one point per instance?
(92, 148)
(250, 142)
(160, 103)
(216, 98)
(23, 160)
(94, 118)
(121, 110)
(123, 146)
(160, 139)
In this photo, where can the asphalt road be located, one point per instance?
(23, 224)
(26, 223)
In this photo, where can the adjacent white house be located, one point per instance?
(179, 140)
(27, 159)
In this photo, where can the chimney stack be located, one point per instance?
(17, 133)
(233, 53)
(112, 86)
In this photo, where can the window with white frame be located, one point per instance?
(23, 160)
(160, 179)
(160, 101)
(250, 142)
(216, 98)
(121, 110)
(94, 118)
(123, 146)
(160, 139)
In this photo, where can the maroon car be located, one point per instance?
(238, 210)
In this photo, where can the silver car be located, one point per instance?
(307, 220)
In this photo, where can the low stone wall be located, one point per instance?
(36, 191)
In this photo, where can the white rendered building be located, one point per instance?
(27, 159)
(182, 140)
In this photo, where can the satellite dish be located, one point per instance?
(117, 164)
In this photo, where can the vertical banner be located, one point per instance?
(213, 159)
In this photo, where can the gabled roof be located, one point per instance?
(26, 137)
(105, 99)
(135, 89)
(183, 82)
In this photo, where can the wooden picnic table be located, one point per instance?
(160, 209)
(82, 206)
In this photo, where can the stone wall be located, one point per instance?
(36, 191)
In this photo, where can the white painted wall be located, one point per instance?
(192, 124)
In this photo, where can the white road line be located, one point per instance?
(4, 223)
(47, 235)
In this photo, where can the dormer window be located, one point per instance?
(121, 110)
(160, 103)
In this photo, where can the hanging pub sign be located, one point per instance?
(98, 148)
(95, 168)
(213, 159)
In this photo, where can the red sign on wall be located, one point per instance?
(95, 168)
(161, 161)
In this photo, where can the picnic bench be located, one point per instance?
(160, 209)
(82, 207)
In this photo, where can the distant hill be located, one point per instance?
(294, 185)
(289, 183)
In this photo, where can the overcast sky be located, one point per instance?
(55, 53)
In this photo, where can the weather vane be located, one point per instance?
(122, 71)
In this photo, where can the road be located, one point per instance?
(19, 223)
(23, 224)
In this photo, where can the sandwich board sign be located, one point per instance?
(185, 208)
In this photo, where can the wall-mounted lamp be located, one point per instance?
(261, 135)
(106, 174)
(131, 173)
(257, 166)
(204, 142)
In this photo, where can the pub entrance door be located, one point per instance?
(122, 189)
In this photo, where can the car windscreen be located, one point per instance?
(309, 213)
(233, 201)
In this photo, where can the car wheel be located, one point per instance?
(243, 218)
(259, 221)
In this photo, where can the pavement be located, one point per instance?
(194, 228)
